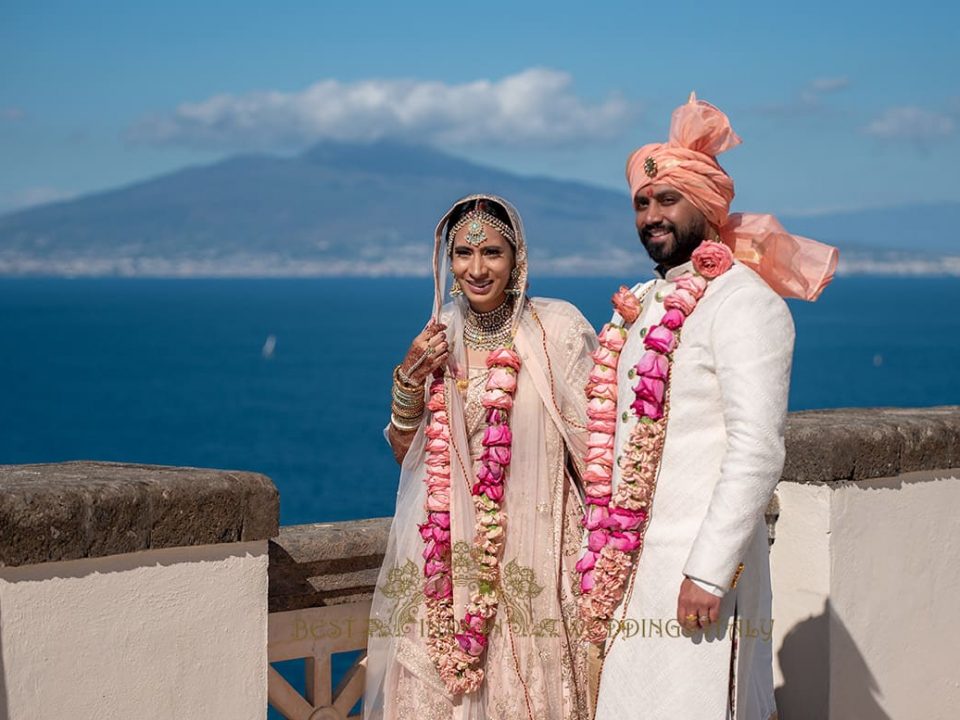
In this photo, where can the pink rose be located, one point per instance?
(624, 541)
(600, 470)
(502, 379)
(490, 472)
(660, 339)
(645, 408)
(474, 622)
(498, 454)
(437, 461)
(602, 426)
(680, 300)
(654, 365)
(597, 474)
(497, 435)
(712, 259)
(602, 374)
(601, 456)
(598, 489)
(437, 484)
(650, 389)
(492, 491)
(604, 391)
(587, 582)
(496, 416)
(436, 445)
(496, 399)
(587, 562)
(596, 540)
(435, 403)
(503, 357)
(602, 356)
(471, 643)
(621, 519)
(602, 500)
(441, 536)
(438, 431)
(438, 501)
(440, 519)
(626, 303)
(599, 440)
(595, 517)
(439, 471)
(438, 587)
(693, 284)
(432, 551)
(433, 567)
(600, 409)
(612, 337)
(673, 320)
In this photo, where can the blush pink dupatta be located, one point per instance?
(537, 667)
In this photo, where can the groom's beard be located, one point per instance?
(676, 248)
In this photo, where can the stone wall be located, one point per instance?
(133, 591)
(863, 560)
(129, 590)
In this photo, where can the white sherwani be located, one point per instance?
(721, 461)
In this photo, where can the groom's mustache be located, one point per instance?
(647, 230)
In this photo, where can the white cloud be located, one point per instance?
(825, 85)
(809, 99)
(911, 123)
(40, 195)
(536, 106)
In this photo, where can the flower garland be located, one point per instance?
(457, 655)
(616, 521)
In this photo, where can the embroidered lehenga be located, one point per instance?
(534, 666)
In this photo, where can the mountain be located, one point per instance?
(352, 209)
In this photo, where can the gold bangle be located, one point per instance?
(401, 426)
(405, 382)
(407, 413)
(400, 393)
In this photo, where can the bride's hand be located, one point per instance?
(427, 352)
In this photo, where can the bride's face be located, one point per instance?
(484, 270)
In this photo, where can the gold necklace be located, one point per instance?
(489, 330)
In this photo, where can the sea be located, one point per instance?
(291, 378)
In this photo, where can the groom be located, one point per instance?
(690, 637)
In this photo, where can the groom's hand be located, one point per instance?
(696, 608)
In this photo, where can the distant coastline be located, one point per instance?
(244, 266)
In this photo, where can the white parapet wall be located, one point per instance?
(177, 628)
(866, 584)
(174, 633)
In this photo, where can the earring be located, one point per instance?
(514, 287)
(455, 289)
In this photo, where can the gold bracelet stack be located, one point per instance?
(408, 402)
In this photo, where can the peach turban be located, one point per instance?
(793, 266)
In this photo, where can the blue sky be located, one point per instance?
(840, 105)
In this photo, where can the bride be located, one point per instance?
(474, 614)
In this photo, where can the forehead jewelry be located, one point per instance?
(474, 222)
(650, 167)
